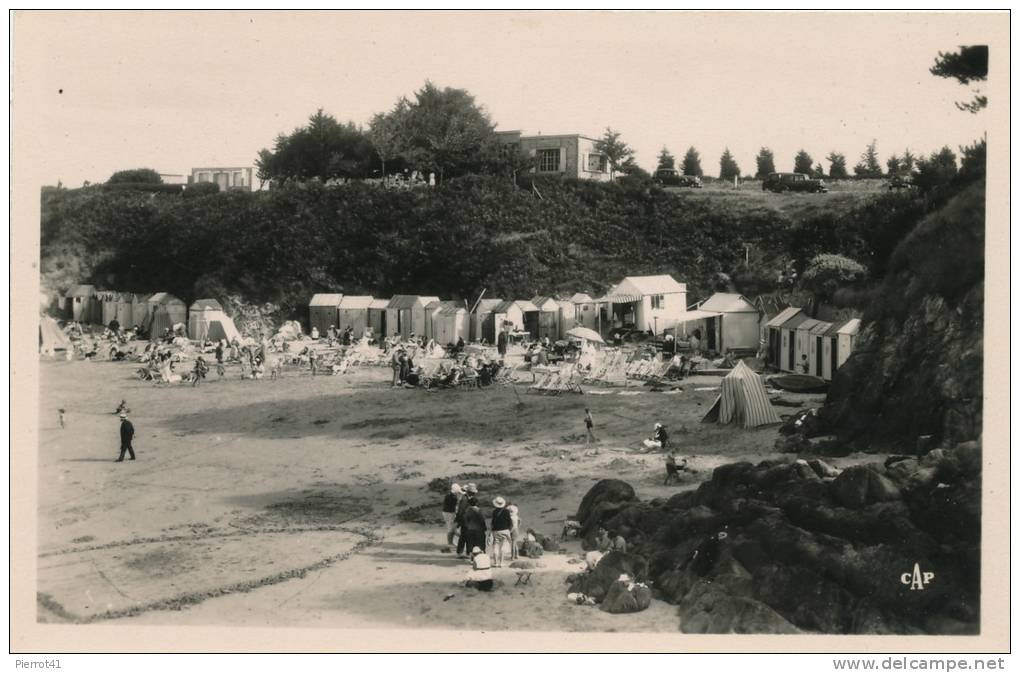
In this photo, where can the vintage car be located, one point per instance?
(792, 182)
(670, 177)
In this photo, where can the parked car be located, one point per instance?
(901, 182)
(792, 182)
(670, 177)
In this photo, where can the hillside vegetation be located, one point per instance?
(471, 233)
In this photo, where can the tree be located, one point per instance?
(893, 165)
(827, 273)
(383, 133)
(198, 189)
(692, 163)
(324, 149)
(614, 150)
(907, 161)
(441, 131)
(819, 171)
(869, 166)
(766, 163)
(936, 172)
(968, 65)
(728, 168)
(802, 163)
(837, 166)
(666, 160)
(135, 176)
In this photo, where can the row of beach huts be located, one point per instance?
(155, 313)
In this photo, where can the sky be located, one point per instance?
(100, 92)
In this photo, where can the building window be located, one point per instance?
(656, 301)
(549, 160)
(596, 163)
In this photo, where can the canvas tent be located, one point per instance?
(353, 312)
(165, 311)
(81, 304)
(208, 322)
(51, 337)
(743, 400)
(323, 312)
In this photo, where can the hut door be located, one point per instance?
(833, 354)
(774, 346)
(710, 327)
(791, 358)
(818, 356)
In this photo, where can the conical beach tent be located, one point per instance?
(743, 400)
(51, 337)
(208, 322)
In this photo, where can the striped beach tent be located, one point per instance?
(743, 400)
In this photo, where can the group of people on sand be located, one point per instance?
(486, 542)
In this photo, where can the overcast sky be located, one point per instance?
(177, 90)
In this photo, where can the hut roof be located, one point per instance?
(784, 316)
(81, 291)
(206, 304)
(356, 301)
(331, 300)
(725, 302)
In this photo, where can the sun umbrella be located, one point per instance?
(586, 334)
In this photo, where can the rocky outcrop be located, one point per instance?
(915, 378)
(601, 501)
(781, 547)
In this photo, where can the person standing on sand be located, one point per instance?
(589, 426)
(395, 365)
(60, 416)
(474, 524)
(127, 433)
(450, 503)
(672, 471)
(515, 531)
(470, 491)
(502, 523)
(313, 360)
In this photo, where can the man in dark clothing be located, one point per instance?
(127, 433)
(672, 470)
(469, 495)
(474, 525)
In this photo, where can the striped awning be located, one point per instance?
(623, 298)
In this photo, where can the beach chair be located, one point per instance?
(541, 383)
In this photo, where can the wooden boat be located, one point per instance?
(798, 383)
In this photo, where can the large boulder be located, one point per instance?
(862, 485)
(604, 499)
(608, 570)
(626, 596)
(710, 608)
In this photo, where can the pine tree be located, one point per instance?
(692, 163)
(728, 168)
(802, 163)
(666, 160)
(766, 163)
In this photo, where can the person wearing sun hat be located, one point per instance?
(502, 524)
(480, 575)
(127, 433)
(450, 503)
(469, 493)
